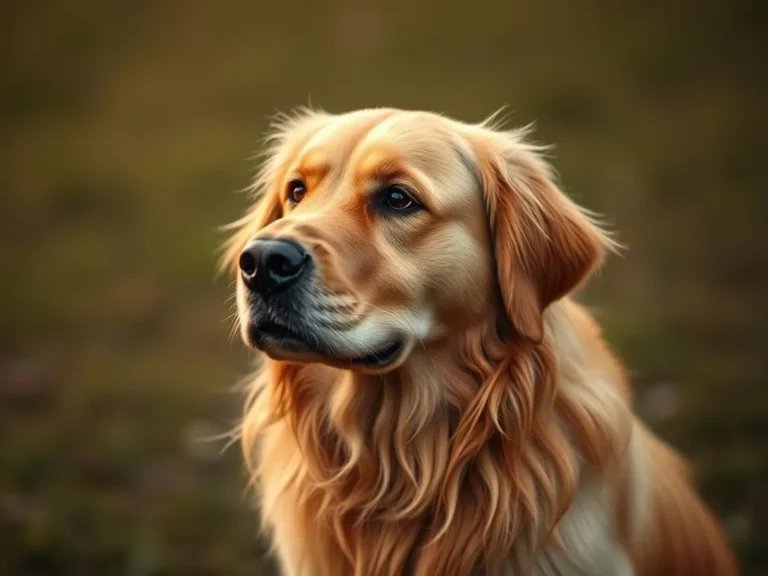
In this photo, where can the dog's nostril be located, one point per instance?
(268, 265)
(247, 263)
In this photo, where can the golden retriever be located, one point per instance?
(432, 401)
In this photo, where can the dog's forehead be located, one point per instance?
(414, 134)
(339, 136)
(348, 137)
(360, 143)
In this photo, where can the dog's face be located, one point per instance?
(381, 230)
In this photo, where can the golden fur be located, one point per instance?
(502, 440)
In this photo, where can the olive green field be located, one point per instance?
(128, 130)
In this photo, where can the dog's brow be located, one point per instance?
(314, 166)
(377, 164)
(314, 160)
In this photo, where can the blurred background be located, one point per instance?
(126, 129)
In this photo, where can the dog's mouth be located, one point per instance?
(283, 342)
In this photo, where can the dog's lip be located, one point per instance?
(274, 331)
(270, 336)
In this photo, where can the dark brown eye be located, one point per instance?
(296, 191)
(398, 199)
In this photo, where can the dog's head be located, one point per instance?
(381, 230)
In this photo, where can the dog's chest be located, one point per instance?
(307, 546)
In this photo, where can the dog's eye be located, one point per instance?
(398, 199)
(296, 191)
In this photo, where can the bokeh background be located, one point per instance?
(126, 129)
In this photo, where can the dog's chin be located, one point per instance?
(281, 343)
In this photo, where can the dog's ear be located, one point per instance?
(544, 245)
(288, 133)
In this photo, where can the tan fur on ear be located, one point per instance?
(287, 134)
(544, 244)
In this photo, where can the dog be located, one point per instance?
(432, 400)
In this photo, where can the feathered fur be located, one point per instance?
(504, 446)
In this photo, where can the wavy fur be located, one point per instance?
(507, 447)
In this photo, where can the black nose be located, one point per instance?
(268, 265)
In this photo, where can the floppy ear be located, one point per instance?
(544, 244)
(288, 133)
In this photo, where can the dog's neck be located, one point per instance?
(470, 445)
